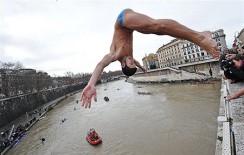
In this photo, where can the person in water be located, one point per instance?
(121, 48)
(43, 140)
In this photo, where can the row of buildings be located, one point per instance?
(14, 82)
(21, 81)
(179, 51)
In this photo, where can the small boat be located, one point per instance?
(106, 98)
(93, 138)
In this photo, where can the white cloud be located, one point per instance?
(14, 52)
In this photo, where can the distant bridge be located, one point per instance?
(113, 78)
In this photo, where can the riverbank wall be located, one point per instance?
(230, 133)
(31, 121)
(198, 71)
(14, 107)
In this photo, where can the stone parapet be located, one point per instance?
(190, 71)
(230, 136)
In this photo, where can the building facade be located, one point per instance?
(22, 81)
(150, 61)
(219, 37)
(193, 53)
(171, 54)
(178, 52)
(239, 39)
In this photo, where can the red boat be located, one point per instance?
(93, 138)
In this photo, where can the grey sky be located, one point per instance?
(58, 36)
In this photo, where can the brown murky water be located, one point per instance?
(174, 120)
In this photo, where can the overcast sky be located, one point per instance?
(57, 36)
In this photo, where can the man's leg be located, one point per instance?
(147, 25)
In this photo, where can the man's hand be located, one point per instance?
(233, 96)
(139, 66)
(87, 94)
(144, 69)
(230, 56)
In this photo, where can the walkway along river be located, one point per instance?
(172, 120)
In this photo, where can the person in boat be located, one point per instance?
(121, 48)
(93, 134)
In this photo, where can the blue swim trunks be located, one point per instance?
(120, 18)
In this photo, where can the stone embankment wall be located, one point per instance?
(194, 71)
(14, 107)
(230, 135)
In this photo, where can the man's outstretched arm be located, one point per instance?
(90, 89)
(236, 95)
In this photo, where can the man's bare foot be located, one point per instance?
(209, 45)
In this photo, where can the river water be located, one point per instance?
(175, 119)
